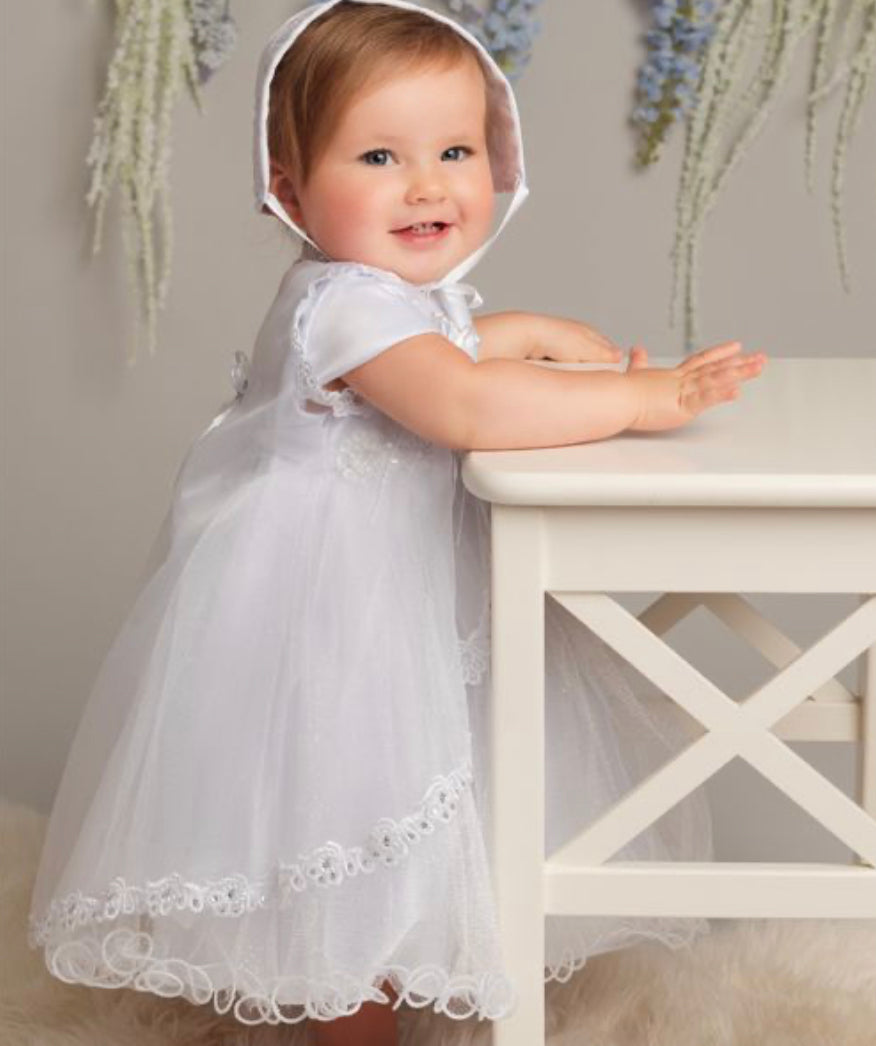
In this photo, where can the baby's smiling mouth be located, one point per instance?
(423, 227)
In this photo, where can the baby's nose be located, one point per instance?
(426, 187)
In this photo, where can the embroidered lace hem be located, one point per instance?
(388, 843)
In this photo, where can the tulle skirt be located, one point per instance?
(275, 799)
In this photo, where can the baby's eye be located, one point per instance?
(387, 152)
(374, 152)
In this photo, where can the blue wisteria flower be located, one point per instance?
(506, 29)
(667, 83)
(214, 35)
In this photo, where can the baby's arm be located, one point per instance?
(429, 385)
(506, 334)
(518, 405)
(535, 336)
(432, 387)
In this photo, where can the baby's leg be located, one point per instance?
(373, 1024)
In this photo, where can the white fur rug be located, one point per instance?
(749, 983)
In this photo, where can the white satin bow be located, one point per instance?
(456, 295)
(455, 300)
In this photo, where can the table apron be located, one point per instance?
(687, 549)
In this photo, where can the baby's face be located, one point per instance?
(412, 150)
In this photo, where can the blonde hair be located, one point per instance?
(349, 47)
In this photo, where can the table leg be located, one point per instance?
(517, 757)
(867, 737)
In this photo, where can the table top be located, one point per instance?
(803, 433)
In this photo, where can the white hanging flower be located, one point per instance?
(727, 117)
(132, 142)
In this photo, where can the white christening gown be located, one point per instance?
(275, 799)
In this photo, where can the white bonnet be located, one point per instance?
(505, 139)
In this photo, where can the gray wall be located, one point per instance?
(91, 447)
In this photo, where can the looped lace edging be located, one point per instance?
(123, 959)
(387, 843)
(619, 937)
(123, 956)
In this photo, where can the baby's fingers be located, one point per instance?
(712, 355)
(719, 382)
(737, 369)
(638, 358)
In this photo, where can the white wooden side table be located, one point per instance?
(773, 492)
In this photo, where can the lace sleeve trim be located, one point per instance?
(341, 401)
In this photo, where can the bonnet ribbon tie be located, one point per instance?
(458, 297)
(456, 300)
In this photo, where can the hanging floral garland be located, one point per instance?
(507, 30)
(694, 53)
(162, 44)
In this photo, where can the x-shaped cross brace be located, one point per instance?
(733, 728)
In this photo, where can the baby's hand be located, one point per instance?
(570, 341)
(671, 397)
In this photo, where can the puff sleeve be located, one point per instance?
(347, 318)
